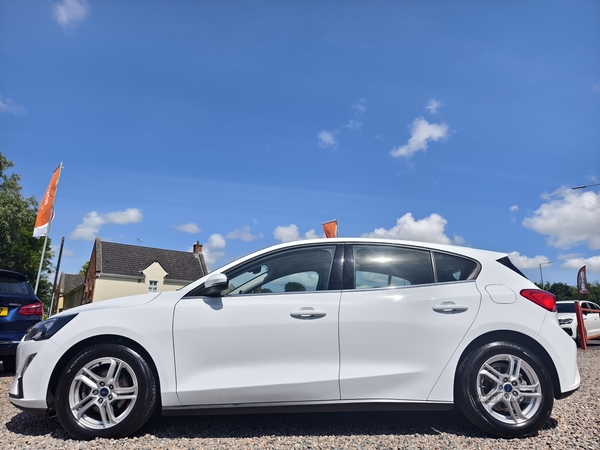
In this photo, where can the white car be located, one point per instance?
(328, 324)
(567, 318)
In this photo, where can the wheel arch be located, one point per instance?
(517, 338)
(99, 339)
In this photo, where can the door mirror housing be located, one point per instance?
(215, 285)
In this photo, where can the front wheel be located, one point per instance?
(504, 389)
(106, 390)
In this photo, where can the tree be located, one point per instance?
(293, 286)
(563, 291)
(19, 250)
(84, 268)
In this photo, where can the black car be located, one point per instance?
(19, 309)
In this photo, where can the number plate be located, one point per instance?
(3, 311)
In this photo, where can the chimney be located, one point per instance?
(197, 248)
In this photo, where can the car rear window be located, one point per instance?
(565, 307)
(453, 268)
(13, 286)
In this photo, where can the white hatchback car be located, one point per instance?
(328, 324)
(567, 318)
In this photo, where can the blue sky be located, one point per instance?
(243, 124)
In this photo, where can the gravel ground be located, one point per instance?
(574, 424)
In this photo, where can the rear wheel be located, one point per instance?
(504, 389)
(107, 390)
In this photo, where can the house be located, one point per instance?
(70, 291)
(118, 270)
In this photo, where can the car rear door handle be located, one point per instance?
(307, 313)
(450, 308)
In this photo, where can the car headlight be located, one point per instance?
(565, 321)
(47, 328)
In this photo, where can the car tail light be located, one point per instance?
(542, 298)
(33, 309)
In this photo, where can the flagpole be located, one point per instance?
(37, 281)
(51, 310)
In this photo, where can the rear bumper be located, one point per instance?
(8, 348)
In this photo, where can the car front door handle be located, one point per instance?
(307, 313)
(450, 308)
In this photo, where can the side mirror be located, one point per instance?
(215, 285)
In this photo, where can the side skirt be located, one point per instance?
(299, 407)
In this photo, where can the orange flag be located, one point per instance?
(330, 228)
(44, 216)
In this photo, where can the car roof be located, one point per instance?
(467, 251)
(11, 274)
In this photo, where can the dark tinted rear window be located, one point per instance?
(565, 307)
(12, 286)
(453, 268)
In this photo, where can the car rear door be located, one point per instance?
(272, 337)
(400, 323)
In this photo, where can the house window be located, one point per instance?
(153, 286)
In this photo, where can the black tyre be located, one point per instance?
(9, 364)
(106, 390)
(504, 389)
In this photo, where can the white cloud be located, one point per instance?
(359, 106)
(286, 234)
(9, 106)
(596, 88)
(327, 139)
(354, 125)
(312, 234)
(190, 227)
(92, 222)
(429, 229)
(244, 235)
(569, 217)
(69, 13)
(421, 133)
(216, 241)
(592, 263)
(291, 233)
(212, 249)
(433, 106)
(524, 262)
(511, 210)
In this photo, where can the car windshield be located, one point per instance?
(565, 307)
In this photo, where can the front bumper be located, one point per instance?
(35, 361)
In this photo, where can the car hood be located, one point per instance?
(115, 303)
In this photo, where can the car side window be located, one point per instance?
(453, 268)
(379, 266)
(297, 270)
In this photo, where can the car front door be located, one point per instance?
(400, 321)
(272, 336)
